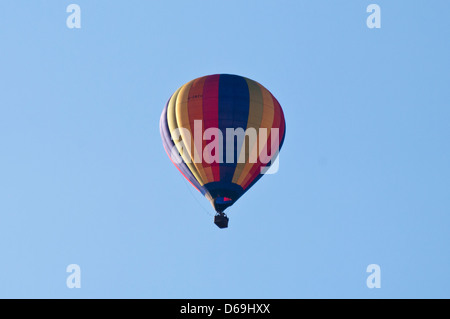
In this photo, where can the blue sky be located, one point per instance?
(364, 171)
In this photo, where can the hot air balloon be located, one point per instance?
(222, 132)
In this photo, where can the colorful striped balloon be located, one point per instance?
(194, 127)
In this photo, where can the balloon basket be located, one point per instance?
(221, 220)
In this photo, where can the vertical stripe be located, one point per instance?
(195, 113)
(211, 120)
(233, 113)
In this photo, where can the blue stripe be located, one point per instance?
(234, 104)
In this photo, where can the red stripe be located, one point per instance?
(195, 112)
(282, 120)
(211, 114)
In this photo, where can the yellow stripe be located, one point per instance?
(266, 122)
(173, 125)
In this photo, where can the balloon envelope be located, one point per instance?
(221, 131)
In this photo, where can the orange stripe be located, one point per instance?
(195, 113)
(182, 118)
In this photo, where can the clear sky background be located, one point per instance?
(364, 171)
